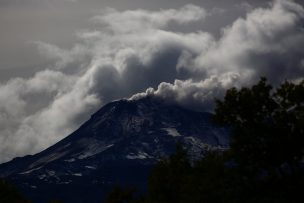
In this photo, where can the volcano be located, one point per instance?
(118, 145)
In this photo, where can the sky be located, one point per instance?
(61, 60)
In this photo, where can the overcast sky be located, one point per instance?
(61, 60)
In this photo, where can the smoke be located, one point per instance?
(268, 42)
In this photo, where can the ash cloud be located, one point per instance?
(266, 43)
(134, 53)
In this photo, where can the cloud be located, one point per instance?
(266, 43)
(139, 20)
(195, 95)
(19, 100)
(136, 53)
(105, 65)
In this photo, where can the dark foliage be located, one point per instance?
(9, 194)
(167, 179)
(123, 195)
(268, 125)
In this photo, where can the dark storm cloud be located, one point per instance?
(268, 42)
(55, 22)
(138, 51)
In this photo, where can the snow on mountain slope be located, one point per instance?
(117, 145)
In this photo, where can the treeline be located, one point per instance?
(264, 162)
(9, 194)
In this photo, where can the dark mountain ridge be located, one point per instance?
(117, 145)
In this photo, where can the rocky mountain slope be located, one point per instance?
(117, 145)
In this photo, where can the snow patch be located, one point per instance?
(30, 171)
(65, 183)
(139, 155)
(47, 159)
(70, 160)
(172, 131)
(51, 173)
(42, 176)
(93, 149)
(90, 167)
(198, 144)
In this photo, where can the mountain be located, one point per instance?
(118, 145)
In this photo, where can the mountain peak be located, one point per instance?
(123, 137)
(132, 106)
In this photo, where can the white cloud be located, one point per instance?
(195, 95)
(139, 20)
(268, 39)
(19, 100)
(268, 42)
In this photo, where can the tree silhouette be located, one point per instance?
(168, 177)
(267, 125)
(10, 194)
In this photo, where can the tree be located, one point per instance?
(121, 195)
(55, 201)
(267, 125)
(166, 181)
(9, 194)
